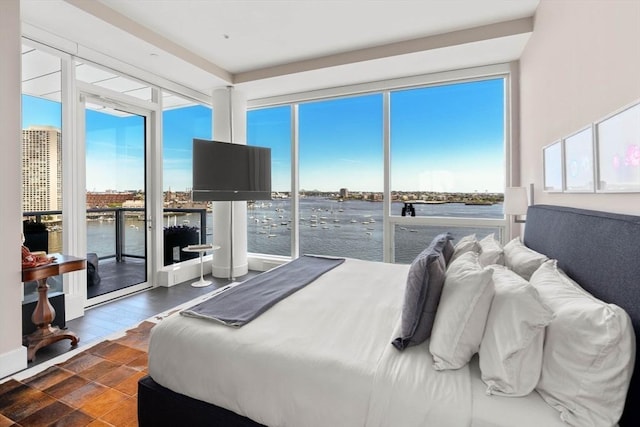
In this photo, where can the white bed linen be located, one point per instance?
(501, 411)
(409, 392)
(321, 357)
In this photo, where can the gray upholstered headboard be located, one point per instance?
(600, 251)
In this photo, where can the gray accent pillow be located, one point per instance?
(448, 252)
(422, 294)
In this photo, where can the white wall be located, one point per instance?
(13, 356)
(581, 63)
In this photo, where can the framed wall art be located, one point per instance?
(618, 151)
(579, 162)
(552, 163)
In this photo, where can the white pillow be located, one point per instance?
(491, 251)
(466, 244)
(521, 259)
(589, 352)
(462, 312)
(511, 349)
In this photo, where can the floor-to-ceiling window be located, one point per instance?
(115, 145)
(446, 166)
(447, 159)
(50, 78)
(116, 142)
(269, 223)
(341, 177)
(42, 165)
(42, 144)
(182, 121)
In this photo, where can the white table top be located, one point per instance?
(200, 248)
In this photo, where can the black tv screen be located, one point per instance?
(227, 172)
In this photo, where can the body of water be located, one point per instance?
(351, 228)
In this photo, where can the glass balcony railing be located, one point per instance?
(112, 233)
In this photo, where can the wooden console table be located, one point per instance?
(44, 312)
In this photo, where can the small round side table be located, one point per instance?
(201, 249)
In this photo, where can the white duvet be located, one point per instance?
(321, 357)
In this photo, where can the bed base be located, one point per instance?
(599, 250)
(158, 406)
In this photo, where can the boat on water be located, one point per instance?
(478, 203)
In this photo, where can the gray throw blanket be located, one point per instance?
(247, 300)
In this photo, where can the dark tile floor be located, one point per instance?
(96, 387)
(105, 319)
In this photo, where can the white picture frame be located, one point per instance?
(552, 165)
(618, 151)
(578, 159)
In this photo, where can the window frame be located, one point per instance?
(505, 71)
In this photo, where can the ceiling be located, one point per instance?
(268, 48)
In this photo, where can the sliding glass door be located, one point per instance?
(116, 140)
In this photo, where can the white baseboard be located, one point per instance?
(173, 274)
(262, 262)
(13, 361)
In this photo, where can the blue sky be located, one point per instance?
(443, 138)
(179, 127)
(38, 112)
(114, 152)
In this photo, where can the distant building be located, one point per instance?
(108, 199)
(133, 204)
(41, 168)
(344, 193)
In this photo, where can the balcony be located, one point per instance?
(117, 238)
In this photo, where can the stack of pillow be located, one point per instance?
(533, 327)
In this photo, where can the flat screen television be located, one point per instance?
(229, 172)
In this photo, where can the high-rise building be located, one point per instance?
(41, 168)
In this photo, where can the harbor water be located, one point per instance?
(350, 228)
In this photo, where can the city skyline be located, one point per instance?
(447, 138)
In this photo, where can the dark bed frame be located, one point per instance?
(601, 251)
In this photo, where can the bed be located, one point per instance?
(311, 363)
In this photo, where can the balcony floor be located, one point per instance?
(117, 275)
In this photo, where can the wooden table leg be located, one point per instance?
(42, 317)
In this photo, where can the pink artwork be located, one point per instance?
(618, 142)
(632, 157)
